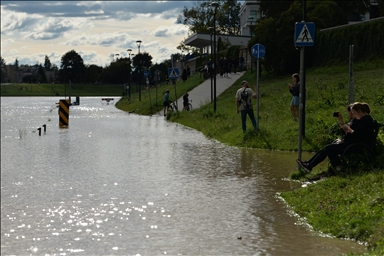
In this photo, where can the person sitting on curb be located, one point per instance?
(244, 101)
(360, 131)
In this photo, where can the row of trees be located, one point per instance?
(72, 69)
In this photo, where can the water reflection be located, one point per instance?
(120, 184)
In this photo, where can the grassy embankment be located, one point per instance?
(348, 205)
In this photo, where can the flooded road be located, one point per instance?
(114, 183)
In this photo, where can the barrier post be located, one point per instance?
(64, 113)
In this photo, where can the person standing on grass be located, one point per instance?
(244, 104)
(185, 101)
(294, 89)
(166, 102)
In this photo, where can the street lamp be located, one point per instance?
(211, 33)
(129, 74)
(214, 5)
(138, 42)
(118, 73)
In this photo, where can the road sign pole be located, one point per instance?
(257, 93)
(301, 107)
(174, 83)
(258, 51)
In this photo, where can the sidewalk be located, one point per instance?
(201, 94)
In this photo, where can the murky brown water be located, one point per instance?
(120, 184)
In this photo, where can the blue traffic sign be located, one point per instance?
(146, 73)
(173, 73)
(258, 51)
(304, 34)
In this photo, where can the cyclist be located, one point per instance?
(185, 101)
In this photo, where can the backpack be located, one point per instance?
(244, 98)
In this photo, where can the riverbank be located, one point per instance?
(333, 206)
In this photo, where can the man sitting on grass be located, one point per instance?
(359, 131)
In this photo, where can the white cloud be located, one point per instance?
(31, 30)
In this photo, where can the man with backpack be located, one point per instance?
(244, 104)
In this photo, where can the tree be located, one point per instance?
(3, 70)
(93, 74)
(118, 72)
(41, 77)
(141, 62)
(72, 67)
(47, 63)
(273, 9)
(186, 48)
(17, 64)
(200, 17)
(228, 18)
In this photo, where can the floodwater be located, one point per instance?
(114, 183)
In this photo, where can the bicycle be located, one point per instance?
(189, 106)
(172, 106)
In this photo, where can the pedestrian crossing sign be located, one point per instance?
(173, 73)
(304, 34)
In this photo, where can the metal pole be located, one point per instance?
(157, 87)
(301, 108)
(351, 80)
(211, 72)
(214, 61)
(69, 93)
(257, 92)
(303, 75)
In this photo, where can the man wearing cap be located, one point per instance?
(244, 103)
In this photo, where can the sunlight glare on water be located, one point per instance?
(114, 183)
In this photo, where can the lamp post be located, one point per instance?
(138, 42)
(211, 33)
(214, 5)
(118, 74)
(129, 74)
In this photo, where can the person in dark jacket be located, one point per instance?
(294, 89)
(360, 130)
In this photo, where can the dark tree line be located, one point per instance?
(72, 69)
(277, 27)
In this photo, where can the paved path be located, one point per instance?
(201, 94)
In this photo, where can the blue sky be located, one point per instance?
(96, 30)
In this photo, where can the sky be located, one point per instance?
(96, 30)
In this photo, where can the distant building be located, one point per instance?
(249, 15)
(13, 75)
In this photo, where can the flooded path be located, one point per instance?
(121, 184)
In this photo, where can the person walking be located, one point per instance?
(294, 89)
(244, 104)
(166, 102)
(185, 101)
